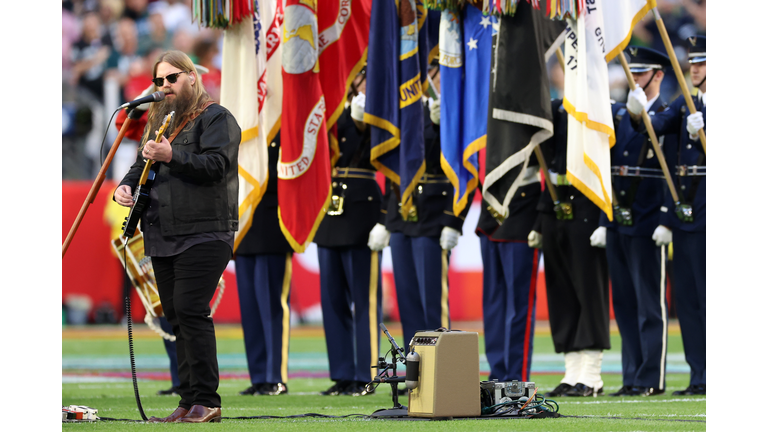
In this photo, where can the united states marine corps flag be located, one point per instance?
(393, 105)
(343, 47)
(303, 171)
(519, 110)
(251, 88)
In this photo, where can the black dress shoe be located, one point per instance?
(273, 389)
(698, 389)
(559, 390)
(648, 391)
(338, 387)
(171, 391)
(624, 391)
(583, 390)
(252, 390)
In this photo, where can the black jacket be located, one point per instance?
(198, 188)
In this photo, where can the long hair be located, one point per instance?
(182, 62)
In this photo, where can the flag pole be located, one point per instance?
(100, 177)
(651, 132)
(678, 71)
(537, 150)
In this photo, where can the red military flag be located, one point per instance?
(304, 170)
(343, 47)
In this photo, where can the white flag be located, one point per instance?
(587, 100)
(251, 89)
(620, 17)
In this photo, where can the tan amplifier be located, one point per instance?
(448, 382)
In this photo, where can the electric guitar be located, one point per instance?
(141, 196)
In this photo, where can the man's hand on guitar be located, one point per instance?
(124, 196)
(158, 151)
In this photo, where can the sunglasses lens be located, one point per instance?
(158, 82)
(172, 77)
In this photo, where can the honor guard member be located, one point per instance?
(263, 267)
(576, 273)
(636, 265)
(421, 244)
(350, 272)
(685, 221)
(510, 267)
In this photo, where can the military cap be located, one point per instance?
(697, 49)
(642, 59)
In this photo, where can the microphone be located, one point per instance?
(154, 97)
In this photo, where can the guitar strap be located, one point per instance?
(192, 117)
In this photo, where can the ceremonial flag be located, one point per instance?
(587, 100)
(465, 67)
(398, 51)
(343, 45)
(303, 171)
(519, 111)
(250, 82)
(620, 18)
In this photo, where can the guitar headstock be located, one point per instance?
(164, 126)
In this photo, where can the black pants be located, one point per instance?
(577, 285)
(186, 283)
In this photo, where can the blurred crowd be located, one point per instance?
(109, 46)
(108, 49)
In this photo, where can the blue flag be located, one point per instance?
(465, 67)
(397, 48)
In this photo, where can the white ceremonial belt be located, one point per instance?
(530, 176)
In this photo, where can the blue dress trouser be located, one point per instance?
(263, 285)
(638, 279)
(350, 297)
(420, 268)
(509, 307)
(690, 263)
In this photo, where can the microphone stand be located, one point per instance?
(133, 114)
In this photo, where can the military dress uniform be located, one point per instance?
(350, 272)
(636, 265)
(686, 159)
(419, 263)
(263, 267)
(510, 269)
(576, 273)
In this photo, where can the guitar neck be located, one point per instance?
(160, 132)
(145, 173)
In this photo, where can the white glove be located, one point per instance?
(695, 122)
(449, 238)
(535, 240)
(662, 236)
(358, 107)
(636, 101)
(378, 238)
(434, 111)
(597, 239)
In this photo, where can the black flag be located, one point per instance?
(519, 108)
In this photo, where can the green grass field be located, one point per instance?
(96, 373)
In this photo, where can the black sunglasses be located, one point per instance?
(170, 77)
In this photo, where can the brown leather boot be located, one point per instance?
(179, 413)
(201, 414)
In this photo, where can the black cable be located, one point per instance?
(103, 157)
(129, 321)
